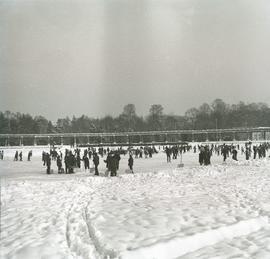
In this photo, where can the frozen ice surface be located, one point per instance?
(218, 211)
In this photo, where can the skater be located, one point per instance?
(118, 158)
(168, 153)
(2, 155)
(16, 156)
(78, 160)
(71, 163)
(145, 152)
(48, 162)
(20, 156)
(113, 165)
(130, 163)
(59, 164)
(86, 162)
(66, 163)
(247, 153)
(96, 163)
(108, 162)
(141, 152)
(255, 150)
(29, 155)
(207, 156)
(44, 158)
(201, 156)
(225, 152)
(234, 154)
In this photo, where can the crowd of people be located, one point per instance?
(90, 158)
(206, 151)
(72, 159)
(146, 151)
(172, 152)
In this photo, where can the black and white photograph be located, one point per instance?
(134, 129)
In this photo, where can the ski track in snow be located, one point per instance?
(219, 211)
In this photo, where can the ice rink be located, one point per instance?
(216, 211)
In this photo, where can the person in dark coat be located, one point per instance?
(48, 162)
(108, 163)
(44, 158)
(168, 153)
(234, 154)
(16, 156)
(86, 161)
(59, 164)
(130, 163)
(66, 162)
(118, 158)
(207, 156)
(96, 163)
(247, 153)
(113, 165)
(141, 152)
(201, 155)
(20, 155)
(255, 150)
(225, 152)
(29, 155)
(78, 160)
(72, 162)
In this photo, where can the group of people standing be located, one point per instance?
(206, 151)
(205, 154)
(46, 158)
(19, 156)
(175, 150)
(146, 151)
(73, 159)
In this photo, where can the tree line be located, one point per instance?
(218, 114)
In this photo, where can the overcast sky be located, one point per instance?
(61, 58)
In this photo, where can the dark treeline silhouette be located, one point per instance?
(218, 114)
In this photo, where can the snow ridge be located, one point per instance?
(103, 252)
(179, 246)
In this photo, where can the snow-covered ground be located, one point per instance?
(218, 211)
